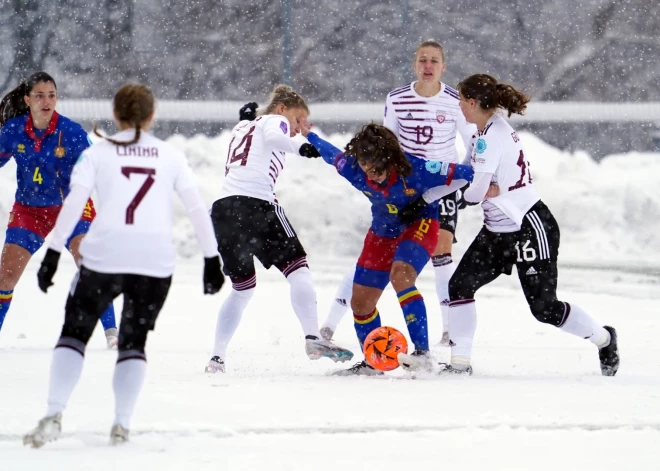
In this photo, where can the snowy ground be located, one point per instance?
(536, 402)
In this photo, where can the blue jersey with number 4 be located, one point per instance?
(44, 158)
(396, 192)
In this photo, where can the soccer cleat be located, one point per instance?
(327, 333)
(444, 341)
(609, 355)
(215, 365)
(361, 368)
(111, 338)
(47, 430)
(118, 435)
(317, 348)
(419, 360)
(446, 369)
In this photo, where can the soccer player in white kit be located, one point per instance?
(519, 230)
(250, 223)
(128, 251)
(425, 117)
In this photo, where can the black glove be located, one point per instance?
(461, 202)
(413, 211)
(47, 270)
(213, 277)
(248, 112)
(309, 151)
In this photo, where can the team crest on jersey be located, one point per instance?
(284, 127)
(440, 116)
(60, 152)
(21, 148)
(481, 146)
(433, 167)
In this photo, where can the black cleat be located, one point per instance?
(609, 355)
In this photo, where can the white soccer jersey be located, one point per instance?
(256, 157)
(132, 232)
(497, 150)
(427, 126)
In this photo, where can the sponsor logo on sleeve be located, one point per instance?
(284, 127)
(481, 146)
(433, 167)
(341, 162)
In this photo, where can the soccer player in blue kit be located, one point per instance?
(45, 146)
(375, 164)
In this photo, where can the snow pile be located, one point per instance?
(609, 212)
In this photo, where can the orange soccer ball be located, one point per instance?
(382, 347)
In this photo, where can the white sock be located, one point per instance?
(228, 319)
(443, 274)
(65, 372)
(127, 383)
(462, 326)
(342, 301)
(584, 326)
(303, 300)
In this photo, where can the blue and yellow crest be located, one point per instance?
(21, 148)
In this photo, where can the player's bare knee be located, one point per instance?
(402, 276)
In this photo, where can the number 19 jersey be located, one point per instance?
(135, 184)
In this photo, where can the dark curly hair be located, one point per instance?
(376, 145)
(490, 94)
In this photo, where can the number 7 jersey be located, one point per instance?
(135, 185)
(497, 150)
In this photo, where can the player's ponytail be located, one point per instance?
(13, 103)
(378, 146)
(133, 105)
(284, 95)
(490, 94)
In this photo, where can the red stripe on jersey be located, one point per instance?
(409, 102)
(450, 174)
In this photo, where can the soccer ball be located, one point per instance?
(382, 347)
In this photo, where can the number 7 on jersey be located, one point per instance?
(139, 196)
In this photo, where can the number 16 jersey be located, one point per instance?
(497, 150)
(135, 184)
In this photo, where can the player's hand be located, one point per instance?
(309, 151)
(47, 270)
(248, 112)
(413, 211)
(213, 277)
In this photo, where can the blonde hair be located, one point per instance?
(284, 95)
(431, 43)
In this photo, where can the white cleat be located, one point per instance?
(118, 435)
(418, 360)
(111, 339)
(215, 365)
(327, 333)
(444, 341)
(319, 348)
(47, 430)
(359, 369)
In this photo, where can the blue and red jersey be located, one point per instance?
(396, 192)
(44, 158)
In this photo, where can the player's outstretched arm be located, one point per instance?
(327, 150)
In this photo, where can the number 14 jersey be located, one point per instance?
(135, 184)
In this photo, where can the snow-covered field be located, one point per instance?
(536, 402)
